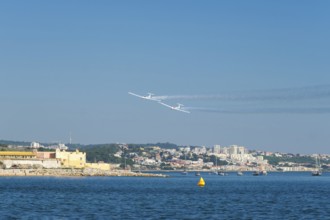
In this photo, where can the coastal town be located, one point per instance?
(123, 159)
(225, 159)
(55, 160)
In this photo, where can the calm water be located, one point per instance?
(276, 196)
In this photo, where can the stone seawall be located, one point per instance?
(73, 172)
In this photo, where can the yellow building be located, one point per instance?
(17, 155)
(74, 159)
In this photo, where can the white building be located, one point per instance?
(197, 150)
(35, 145)
(62, 147)
(242, 150)
(187, 149)
(216, 149)
(234, 149)
(224, 150)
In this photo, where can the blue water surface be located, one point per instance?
(275, 196)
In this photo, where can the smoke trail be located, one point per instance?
(314, 110)
(164, 97)
(289, 94)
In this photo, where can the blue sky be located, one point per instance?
(66, 66)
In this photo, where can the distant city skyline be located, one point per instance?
(252, 73)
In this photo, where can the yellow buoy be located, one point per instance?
(201, 182)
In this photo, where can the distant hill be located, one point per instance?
(102, 152)
(76, 146)
(18, 143)
(166, 145)
(105, 152)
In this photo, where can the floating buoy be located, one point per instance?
(201, 182)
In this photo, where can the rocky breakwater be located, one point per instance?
(96, 172)
(74, 172)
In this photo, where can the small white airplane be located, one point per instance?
(150, 96)
(177, 108)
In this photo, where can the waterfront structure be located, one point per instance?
(31, 163)
(17, 155)
(235, 158)
(11, 159)
(294, 168)
(74, 159)
(99, 166)
(57, 159)
(46, 155)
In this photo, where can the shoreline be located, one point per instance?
(74, 173)
(225, 171)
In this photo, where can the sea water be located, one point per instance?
(275, 196)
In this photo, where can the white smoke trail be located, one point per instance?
(313, 110)
(164, 97)
(290, 94)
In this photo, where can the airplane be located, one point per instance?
(150, 96)
(178, 108)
